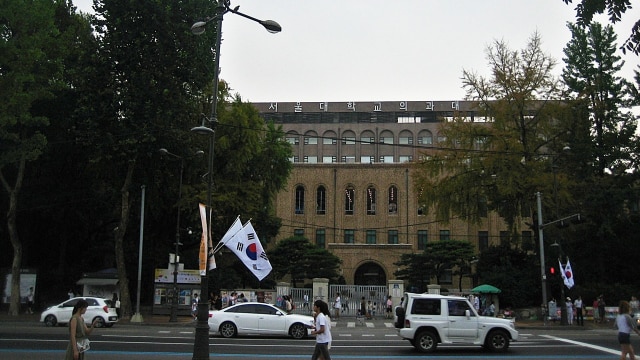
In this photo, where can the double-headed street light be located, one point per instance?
(174, 304)
(201, 341)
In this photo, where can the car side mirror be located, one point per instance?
(467, 313)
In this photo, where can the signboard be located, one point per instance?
(184, 276)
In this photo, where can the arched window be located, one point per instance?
(371, 200)
(321, 200)
(393, 200)
(349, 199)
(299, 199)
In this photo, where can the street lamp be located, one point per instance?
(201, 341)
(174, 304)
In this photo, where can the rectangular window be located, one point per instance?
(349, 236)
(366, 159)
(405, 140)
(329, 159)
(371, 236)
(311, 159)
(392, 237)
(527, 241)
(293, 140)
(425, 140)
(386, 159)
(348, 159)
(298, 232)
(405, 158)
(311, 141)
(483, 240)
(386, 140)
(367, 140)
(446, 277)
(445, 235)
(504, 237)
(422, 239)
(349, 140)
(320, 238)
(329, 141)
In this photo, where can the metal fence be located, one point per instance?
(351, 295)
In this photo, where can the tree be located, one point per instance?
(298, 258)
(514, 271)
(31, 55)
(496, 164)
(586, 9)
(605, 162)
(438, 257)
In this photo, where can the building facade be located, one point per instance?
(351, 188)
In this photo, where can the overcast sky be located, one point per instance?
(374, 50)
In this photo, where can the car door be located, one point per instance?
(461, 327)
(245, 318)
(93, 310)
(64, 311)
(271, 320)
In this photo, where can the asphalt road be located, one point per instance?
(374, 340)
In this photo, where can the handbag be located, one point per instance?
(83, 345)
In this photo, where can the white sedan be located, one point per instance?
(100, 310)
(253, 318)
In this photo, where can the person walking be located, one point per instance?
(322, 331)
(78, 331)
(624, 324)
(194, 306)
(30, 301)
(579, 315)
(389, 308)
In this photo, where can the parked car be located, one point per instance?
(254, 318)
(427, 320)
(99, 310)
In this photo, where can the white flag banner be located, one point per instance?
(247, 247)
(567, 275)
(234, 230)
(203, 241)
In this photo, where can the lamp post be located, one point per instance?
(201, 341)
(174, 304)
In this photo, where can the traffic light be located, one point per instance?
(552, 270)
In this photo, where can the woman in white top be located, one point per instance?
(625, 325)
(322, 330)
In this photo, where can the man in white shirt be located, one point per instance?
(337, 305)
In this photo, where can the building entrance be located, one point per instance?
(370, 274)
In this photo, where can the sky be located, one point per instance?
(375, 50)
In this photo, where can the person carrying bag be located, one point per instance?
(78, 331)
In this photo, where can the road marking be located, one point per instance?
(389, 325)
(345, 335)
(351, 324)
(370, 325)
(595, 347)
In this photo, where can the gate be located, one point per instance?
(304, 305)
(351, 295)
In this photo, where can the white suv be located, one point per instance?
(428, 319)
(99, 310)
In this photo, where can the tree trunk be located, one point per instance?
(14, 304)
(125, 296)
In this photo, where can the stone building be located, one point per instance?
(351, 189)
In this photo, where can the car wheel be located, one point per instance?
(497, 341)
(298, 331)
(50, 320)
(426, 341)
(228, 330)
(98, 321)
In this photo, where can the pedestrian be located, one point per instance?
(322, 330)
(363, 307)
(369, 310)
(70, 294)
(579, 314)
(305, 303)
(287, 304)
(596, 313)
(624, 324)
(337, 306)
(389, 309)
(217, 303)
(492, 309)
(601, 305)
(116, 303)
(635, 305)
(78, 332)
(30, 301)
(194, 306)
(569, 306)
